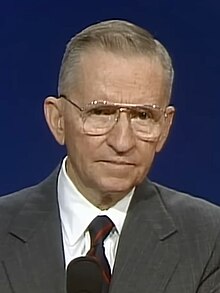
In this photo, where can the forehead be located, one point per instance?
(116, 78)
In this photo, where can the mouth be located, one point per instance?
(118, 162)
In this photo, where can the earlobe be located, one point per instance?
(54, 117)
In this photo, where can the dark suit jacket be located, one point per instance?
(169, 243)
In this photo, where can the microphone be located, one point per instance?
(84, 276)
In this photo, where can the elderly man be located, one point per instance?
(113, 115)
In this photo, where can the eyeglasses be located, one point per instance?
(99, 117)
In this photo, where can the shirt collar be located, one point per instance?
(77, 212)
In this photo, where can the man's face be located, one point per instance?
(117, 161)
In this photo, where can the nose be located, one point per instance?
(121, 138)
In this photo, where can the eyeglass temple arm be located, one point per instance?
(71, 102)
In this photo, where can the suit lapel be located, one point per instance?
(147, 253)
(36, 260)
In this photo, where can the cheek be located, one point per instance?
(146, 153)
(82, 148)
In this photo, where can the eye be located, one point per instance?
(96, 112)
(144, 115)
(102, 111)
(141, 114)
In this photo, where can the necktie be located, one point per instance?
(99, 229)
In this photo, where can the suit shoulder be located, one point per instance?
(186, 208)
(11, 204)
(14, 201)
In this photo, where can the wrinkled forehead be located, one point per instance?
(121, 79)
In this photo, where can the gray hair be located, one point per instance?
(115, 36)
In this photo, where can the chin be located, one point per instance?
(116, 185)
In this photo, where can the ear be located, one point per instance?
(54, 117)
(166, 128)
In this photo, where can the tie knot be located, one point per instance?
(99, 229)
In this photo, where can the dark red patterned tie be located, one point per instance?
(99, 229)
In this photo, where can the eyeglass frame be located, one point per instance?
(121, 106)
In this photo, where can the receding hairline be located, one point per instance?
(115, 36)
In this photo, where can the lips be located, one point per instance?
(118, 162)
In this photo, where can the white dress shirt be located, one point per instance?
(76, 213)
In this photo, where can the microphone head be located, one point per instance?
(84, 275)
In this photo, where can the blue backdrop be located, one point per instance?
(33, 37)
